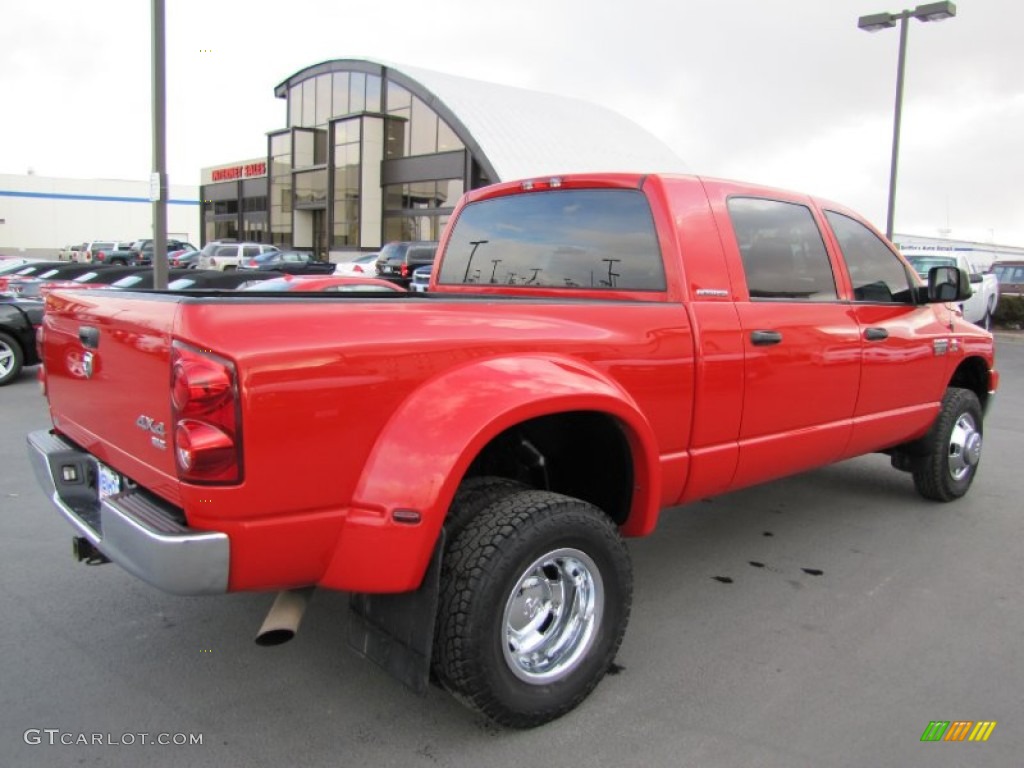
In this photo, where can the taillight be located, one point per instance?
(100, 256)
(41, 370)
(357, 268)
(405, 270)
(205, 416)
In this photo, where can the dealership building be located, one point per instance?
(373, 153)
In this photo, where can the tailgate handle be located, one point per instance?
(89, 336)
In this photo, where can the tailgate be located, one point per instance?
(107, 372)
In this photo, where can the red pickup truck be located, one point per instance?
(467, 462)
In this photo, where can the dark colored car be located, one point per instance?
(19, 319)
(326, 284)
(289, 262)
(216, 280)
(97, 276)
(1010, 275)
(45, 270)
(141, 252)
(398, 260)
(183, 259)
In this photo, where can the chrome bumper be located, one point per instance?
(135, 530)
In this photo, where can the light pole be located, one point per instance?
(879, 21)
(476, 244)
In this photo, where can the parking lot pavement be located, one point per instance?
(824, 620)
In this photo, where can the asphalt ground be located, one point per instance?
(823, 620)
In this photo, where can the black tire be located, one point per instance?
(953, 448)
(553, 572)
(11, 359)
(986, 321)
(475, 495)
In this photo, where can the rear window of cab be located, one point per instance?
(586, 239)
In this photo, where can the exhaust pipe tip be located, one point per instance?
(268, 638)
(284, 617)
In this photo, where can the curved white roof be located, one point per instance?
(528, 133)
(522, 133)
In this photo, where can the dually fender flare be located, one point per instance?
(430, 441)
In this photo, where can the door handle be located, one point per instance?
(876, 334)
(765, 338)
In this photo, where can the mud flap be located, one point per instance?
(396, 632)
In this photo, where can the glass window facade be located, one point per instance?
(355, 163)
(281, 187)
(347, 163)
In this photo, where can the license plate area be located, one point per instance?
(107, 480)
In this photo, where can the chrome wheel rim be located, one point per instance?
(6, 359)
(964, 447)
(552, 615)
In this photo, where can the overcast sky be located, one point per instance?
(788, 93)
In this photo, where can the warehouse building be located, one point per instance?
(39, 215)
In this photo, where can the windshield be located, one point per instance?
(128, 282)
(277, 284)
(922, 264)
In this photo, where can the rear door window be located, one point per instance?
(782, 250)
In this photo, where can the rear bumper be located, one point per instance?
(134, 529)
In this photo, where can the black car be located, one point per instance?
(34, 287)
(19, 319)
(398, 260)
(289, 262)
(30, 276)
(188, 259)
(215, 279)
(141, 252)
(53, 269)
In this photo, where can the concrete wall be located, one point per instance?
(39, 215)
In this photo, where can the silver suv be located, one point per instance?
(225, 255)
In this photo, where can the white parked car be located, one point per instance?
(364, 265)
(421, 278)
(984, 285)
(225, 256)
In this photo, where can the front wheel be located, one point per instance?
(535, 598)
(953, 448)
(11, 359)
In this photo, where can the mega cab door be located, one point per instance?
(801, 343)
(908, 348)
